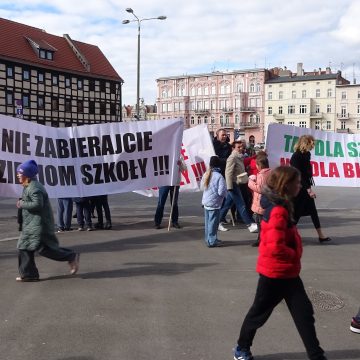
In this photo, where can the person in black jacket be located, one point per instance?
(222, 148)
(304, 203)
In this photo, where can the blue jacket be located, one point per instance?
(214, 194)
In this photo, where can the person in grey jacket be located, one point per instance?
(38, 226)
(214, 186)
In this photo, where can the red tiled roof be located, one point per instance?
(15, 46)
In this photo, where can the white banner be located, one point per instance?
(335, 158)
(91, 159)
(196, 150)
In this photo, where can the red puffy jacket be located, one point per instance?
(280, 246)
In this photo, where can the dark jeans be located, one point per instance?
(83, 212)
(27, 266)
(268, 294)
(64, 213)
(258, 219)
(101, 202)
(163, 194)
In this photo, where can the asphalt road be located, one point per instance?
(143, 293)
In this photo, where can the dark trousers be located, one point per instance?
(83, 212)
(27, 266)
(258, 219)
(101, 202)
(268, 294)
(163, 194)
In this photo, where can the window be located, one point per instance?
(257, 119)
(358, 109)
(67, 82)
(280, 110)
(68, 105)
(192, 121)
(49, 55)
(25, 100)
(40, 77)
(343, 111)
(317, 109)
(9, 98)
(239, 87)
(112, 108)
(293, 94)
(258, 87)
(302, 124)
(213, 89)
(192, 91)
(358, 125)
(205, 119)
(292, 123)
(329, 93)
(303, 109)
(227, 119)
(91, 107)
(164, 107)
(270, 96)
(91, 85)
(199, 90)
(317, 93)
(55, 80)
(317, 125)
(212, 104)
(358, 95)
(252, 88)
(221, 120)
(40, 102)
(80, 84)
(328, 125)
(343, 95)
(102, 108)
(303, 94)
(342, 125)
(26, 74)
(328, 108)
(237, 118)
(9, 71)
(199, 120)
(55, 104)
(281, 95)
(199, 105)
(42, 54)
(222, 89)
(270, 110)
(291, 109)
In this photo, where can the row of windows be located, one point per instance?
(303, 109)
(205, 90)
(40, 104)
(305, 125)
(68, 80)
(303, 94)
(224, 119)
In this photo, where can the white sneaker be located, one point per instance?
(253, 228)
(222, 228)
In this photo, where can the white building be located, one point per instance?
(304, 99)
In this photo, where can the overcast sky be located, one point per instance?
(202, 36)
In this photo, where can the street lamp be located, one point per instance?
(131, 11)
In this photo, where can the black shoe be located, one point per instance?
(98, 226)
(321, 240)
(176, 225)
(157, 226)
(107, 226)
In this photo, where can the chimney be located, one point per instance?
(299, 69)
(328, 70)
(319, 71)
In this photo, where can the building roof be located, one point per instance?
(214, 73)
(15, 46)
(293, 78)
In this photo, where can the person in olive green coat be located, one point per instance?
(38, 226)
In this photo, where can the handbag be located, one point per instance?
(242, 178)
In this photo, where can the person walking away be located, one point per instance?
(174, 194)
(279, 266)
(235, 167)
(256, 184)
(214, 186)
(64, 214)
(37, 233)
(304, 202)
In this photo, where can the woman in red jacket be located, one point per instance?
(279, 266)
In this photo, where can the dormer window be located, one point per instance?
(42, 48)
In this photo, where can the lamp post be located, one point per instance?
(131, 11)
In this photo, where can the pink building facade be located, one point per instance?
(232, 100)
